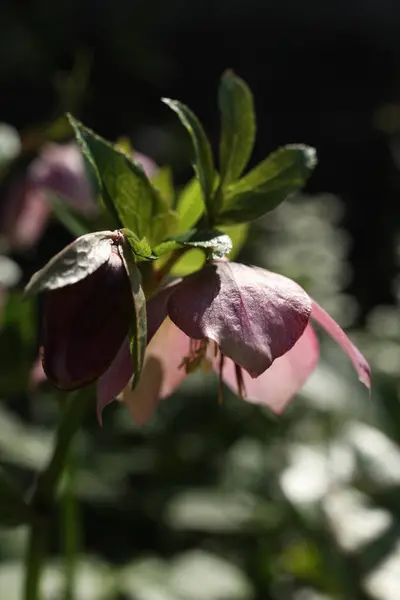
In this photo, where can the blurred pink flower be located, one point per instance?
(58, 169)
(248, 324)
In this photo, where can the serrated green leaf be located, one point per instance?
(78, 260)
(81, 135)
(193, 260)
(138, 326)
(163, 181)
(127, 192)
(238, 126)
(204, 165)
(216, 242)
(140, 248)
(267, 185)
(190, 205)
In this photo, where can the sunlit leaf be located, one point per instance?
(204, 165)
(126, 190)
(267, 185)
(238, 126)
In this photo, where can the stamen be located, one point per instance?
(220, 383)
(240, 381)
(197, 351)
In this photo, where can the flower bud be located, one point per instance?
(85, 324)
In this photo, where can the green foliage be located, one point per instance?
(129, 196)
(138, 326)
(267, 185)
(238, 126)
(204, 166)
(215, 242)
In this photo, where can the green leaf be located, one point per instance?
(75, 222)
(78, 260)
(127, 192)
(210, 240)
(204, 165)
(188, 263)
(193, 260)
(238, 126)
(238, 235)
(138, 326)
(140, 248)
(163, 181)
(267, 185)
(190, 205)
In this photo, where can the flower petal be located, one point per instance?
(113, 381)
(60, 168)
(24, 215)
(162, 372)
(253, 315)
(157, 309)
(336, 332)
(284, 378)
(84, 325)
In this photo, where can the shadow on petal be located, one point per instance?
(113, 381)
(284, 378)
(162, 372)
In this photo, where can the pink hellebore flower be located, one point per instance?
(252, 326)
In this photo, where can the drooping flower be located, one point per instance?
(85, 323)
(251, 325)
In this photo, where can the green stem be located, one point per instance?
(69, 531)
(71, 420)
(37, 546)
(44, 494)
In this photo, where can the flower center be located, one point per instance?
(196, 358)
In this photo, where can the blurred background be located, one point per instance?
(208, 501)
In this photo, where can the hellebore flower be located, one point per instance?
(85, 323)
(58, 169)
(250, 325)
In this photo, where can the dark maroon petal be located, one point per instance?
(85, 325)
(253, 315)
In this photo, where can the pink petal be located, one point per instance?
(157, 309)
(284, 378)
(253, 315)
(24, 215)
(113, 381)
(336, 332)
(148, 164)
(37, 374)
(161, 373)
(60, 168)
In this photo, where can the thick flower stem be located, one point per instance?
(36, 552)
(44, 494)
